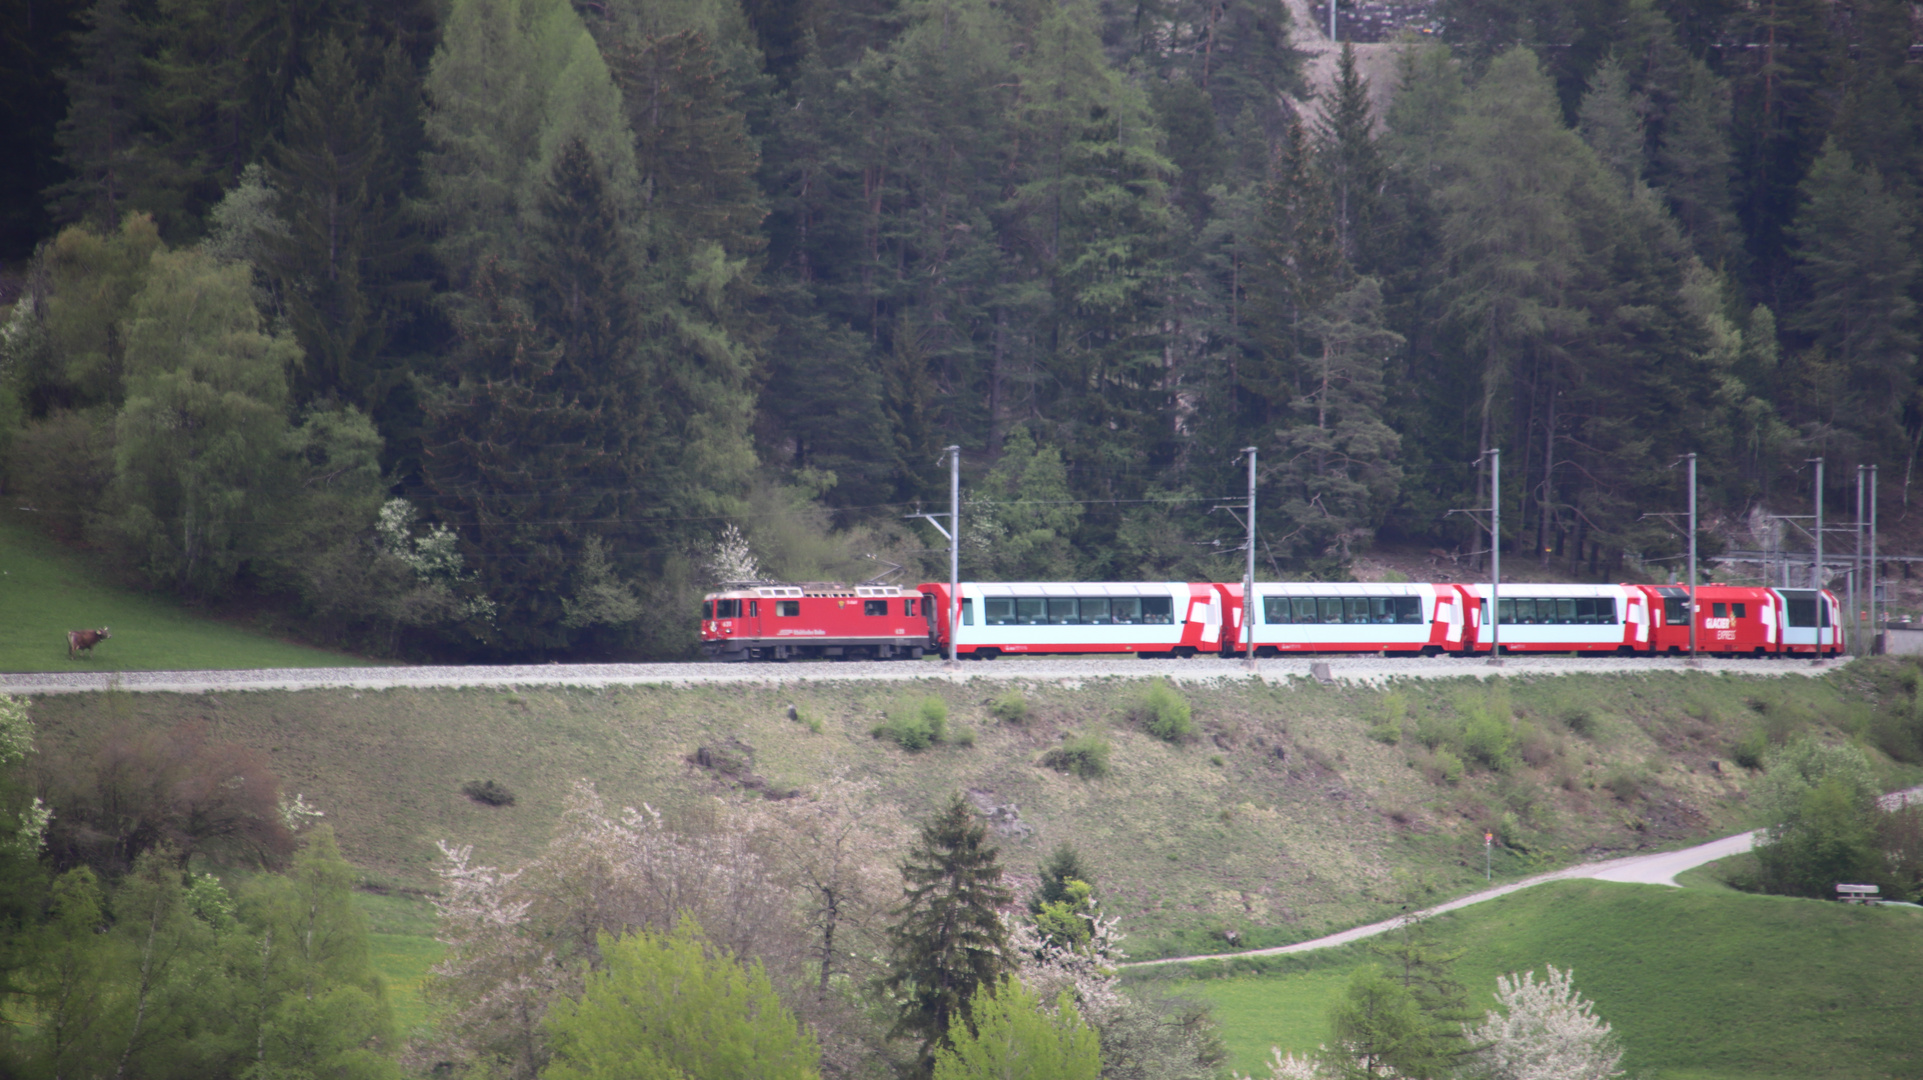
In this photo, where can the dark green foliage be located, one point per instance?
(948, 941)
(1379, 1028)
(1086, 243)
(1085, 755)
(491, 792)
(1062, 866)
(1413, 958)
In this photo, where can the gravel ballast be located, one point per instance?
(1346, 668)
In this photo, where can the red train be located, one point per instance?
(1179, 619)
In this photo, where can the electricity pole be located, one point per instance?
(954, 551)
(1248, 575)
(1856, 568)
(1493, 618)
(1816, 571)
(1692, 559)
(1873, 630)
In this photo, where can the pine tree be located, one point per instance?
(1854, 256)
(1378, 1030)
(1063, 865)
(948, 943)
(1346, 150)
(103, 141)
(339, 188)
(540, 431)
(1610, 124)
(1414, 959)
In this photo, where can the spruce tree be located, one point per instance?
(349, 236)
(1347, 153)
(1857, 266)
(948, 942)
(103, 141)
(1413, 959)
(1062, 866)
(537, 429)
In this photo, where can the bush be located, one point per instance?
(918, 726)
(1010, 707)
(1489, 739)
(1624, 783)
(1580, 720)
(1447, 768)
(491, 792)
(1084, 755)
(1750, 750)
(1165, 712)
(964, 736)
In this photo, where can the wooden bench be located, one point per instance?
(1857, 894)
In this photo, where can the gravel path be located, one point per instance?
(1657, 869)
(1359, 669)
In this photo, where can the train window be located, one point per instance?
(968, 612)
(874, 607)
(1719, 611)
(1275, 610)
(1505, 611)
(908, 608)
(1675, 611)
(1158, 609)
(787, 609)
(1355, 609)
(754, 609)
(1742, 611)
(999, 610)
(1408, 609)
(1305, 609)
(1586, 612)
(1565, 611)
(727, 609)
(1125, 610)
(1061, 612)
(1031, 611)
(1095, 612)
(1328, 610)
(707, 609)
(1800, 612)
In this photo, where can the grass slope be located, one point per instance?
(1281, 821)
(47, 590)
(1701, 984)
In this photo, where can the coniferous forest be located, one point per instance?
(467, 327)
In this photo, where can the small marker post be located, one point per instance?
(1488, 842)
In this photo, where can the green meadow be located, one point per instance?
(47, 590)
(1699, 983)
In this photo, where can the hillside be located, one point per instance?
(47, 590)
(1282, 819)
(1698, 983)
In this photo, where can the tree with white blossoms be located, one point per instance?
(1544, 1031)
(518, 941)
(1142, 1037)
(733, 559)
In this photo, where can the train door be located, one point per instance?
(1636, 618)
(1207, 610)
(1803, 619)
(751, 618)
(1450, 606)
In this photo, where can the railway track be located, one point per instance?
(1340, 668)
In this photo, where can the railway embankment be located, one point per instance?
(1287, 808)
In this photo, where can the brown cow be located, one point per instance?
(83, 641)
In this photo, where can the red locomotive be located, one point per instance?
(758, 621)
(766, 621)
